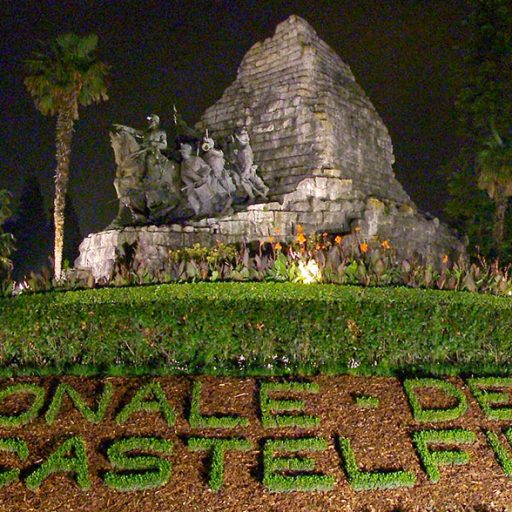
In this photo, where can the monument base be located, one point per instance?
(319, 204)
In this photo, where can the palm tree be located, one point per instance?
(67, 74)
(495, 176)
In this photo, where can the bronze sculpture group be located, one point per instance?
(204, 181)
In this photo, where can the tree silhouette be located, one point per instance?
(30, 229)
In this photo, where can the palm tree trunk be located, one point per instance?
(64, 137)
(500, 201)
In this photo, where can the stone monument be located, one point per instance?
(302, 145)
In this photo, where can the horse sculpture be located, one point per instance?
(152, 189)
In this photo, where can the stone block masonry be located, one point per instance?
(303, 107)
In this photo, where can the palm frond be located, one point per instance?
(495, 167)
(66, 65)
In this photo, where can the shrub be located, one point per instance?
(314, 259)
(486, 399)
(500, 452)
(140, 472)
(279, 329)
(367, 402)
(20, 448)
(28, 415)
(434, 415)
(77, 400)
(300, 482)
(431, 460)
(197, 420)
(270, 408)
(149, 398)
(366, 480)
(218, 449)
(61, 460)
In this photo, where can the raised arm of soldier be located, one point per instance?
(128, 129)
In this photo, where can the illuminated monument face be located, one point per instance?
(307, 116)
(318, 145)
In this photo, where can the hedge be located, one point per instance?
(141, 471)
(70, 456)
(369, 480)
(431, 459)
(274, 465)
(272, 409)
(423, 415)
(218, 447)
(255, 329)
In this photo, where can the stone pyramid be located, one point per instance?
(307, 116)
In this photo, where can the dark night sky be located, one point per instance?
(401, 52)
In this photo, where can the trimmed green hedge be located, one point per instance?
(31, 413)
(423, 415)
(501, 452)
(431, 458)
(69, 457)
(488, 399)
(274, 465)
(198, 420)
(140, 471)
(20, 448)
(149, 398)
(218, 447)
(255, 329)
(367, 402)
(272, 408)
(369, 480)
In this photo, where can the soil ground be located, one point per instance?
(380, 438)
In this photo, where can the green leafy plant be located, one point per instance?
(274, 466)
(88, 413)
(218, 448)
(368, 480)
(149, 398)
(317, 259)
(20, 448)
(367, 402)
(431, 460)
(198, 420)
(501, 453)
(71, 456)
(31, 413)
(138, 471)
(279, 328)
(271, 408)
(434, 415)
(487, 398)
